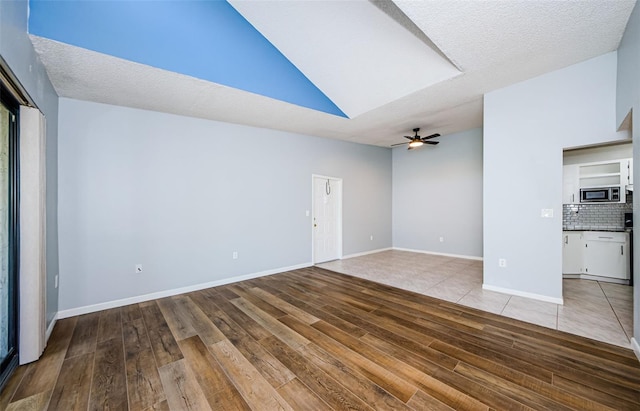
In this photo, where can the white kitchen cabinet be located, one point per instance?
(606, 254)
(602, 174)
(571, 188)
(612, 173)
(596, 255)
(572, 252)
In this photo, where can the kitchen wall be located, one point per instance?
(597, 217)
(628, 98)
(17, 51)
(526, 127)
(437, 192)
(180, 195)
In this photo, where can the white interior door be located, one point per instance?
(327, 219)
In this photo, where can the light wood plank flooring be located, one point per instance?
(313, 339)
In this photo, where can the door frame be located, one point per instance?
(339, 190)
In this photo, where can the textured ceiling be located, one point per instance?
(494, 44)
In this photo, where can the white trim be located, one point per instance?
(597, 278)
(72, 312)
(467, 257)
(533, 296)
(635, 347)
(32, 260)
(50, 327)
(379, 250)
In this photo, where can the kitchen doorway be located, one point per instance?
(597, 241)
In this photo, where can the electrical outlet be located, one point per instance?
(55, 280)
(138, 268)
(371, 238)
(502, 262)
(235, 255)
(442, 239)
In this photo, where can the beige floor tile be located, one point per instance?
(485, 300)
(588, 327)
(534, 317)
(624, 312)
(626, 321)
(617, 291)
(446, 292)
(582, 289)
(522, 304)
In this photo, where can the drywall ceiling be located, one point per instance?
(479, 46)
(361, 57)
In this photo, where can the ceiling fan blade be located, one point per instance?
(433, 143)
(399, 144)
(407, 137)
(431, 136)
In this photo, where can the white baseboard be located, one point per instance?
(466, 257)
(635, 347)
(72, 312)
(597, 278)
(50, 327)
(379, 250)
(533, 296)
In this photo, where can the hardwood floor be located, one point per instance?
(314, 339)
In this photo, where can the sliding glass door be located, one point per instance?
(8, 235)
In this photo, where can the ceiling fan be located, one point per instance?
(417, 141)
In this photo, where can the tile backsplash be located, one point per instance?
(595, 216)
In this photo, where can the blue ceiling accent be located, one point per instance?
(208, 40)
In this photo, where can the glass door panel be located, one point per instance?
(8, 230)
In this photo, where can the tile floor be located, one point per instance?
(593, 309)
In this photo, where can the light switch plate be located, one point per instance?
(546, 213)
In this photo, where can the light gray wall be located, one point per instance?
(179, 195)
(437, 192)
(526, 127)
(16, 49)
(628, 97)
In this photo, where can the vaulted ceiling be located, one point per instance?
(362, 71)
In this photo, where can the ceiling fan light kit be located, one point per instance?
(417, 141)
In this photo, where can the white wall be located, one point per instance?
(179, 195)
(526, 126)
(437, 192)
(594, 154)
(16, 49)
(628, 97)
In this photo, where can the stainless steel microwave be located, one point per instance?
(600, 195)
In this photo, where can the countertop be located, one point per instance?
(609, 230)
